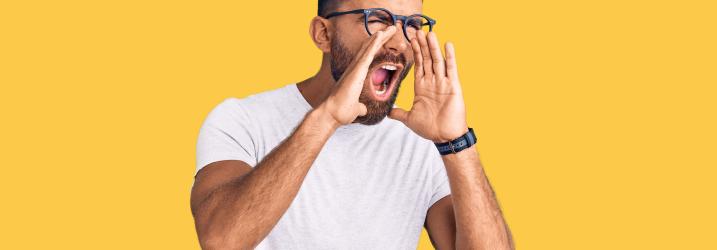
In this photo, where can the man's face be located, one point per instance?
(390, 65)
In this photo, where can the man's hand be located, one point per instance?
(438, 111)
(439, 114)
(343, 103)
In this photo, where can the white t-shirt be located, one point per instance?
(369, 188)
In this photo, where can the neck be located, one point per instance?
(317, 88)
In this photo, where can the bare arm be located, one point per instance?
(441, 224)
(479, 221)
(470, 218)
(236, 207)
(242, 211)
(472, 209)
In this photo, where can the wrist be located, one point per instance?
(323, 119)
(458, 144)
(449, 136)
(465, 156)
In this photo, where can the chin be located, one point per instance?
(377, 109)
(370, 119)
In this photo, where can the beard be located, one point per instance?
(341, 57)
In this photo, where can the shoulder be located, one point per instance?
(271, 98)
(252, 105)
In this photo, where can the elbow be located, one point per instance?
(210, 239)
(218, 241)
(485, 243)
(213, 242)
(213, 232)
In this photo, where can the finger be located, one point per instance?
(399, 114)
(418, 58)
(366, 44)
(451, 66)
(365, 57)
(425, 54)
(439, 66)
(359, 67)
(379, 39)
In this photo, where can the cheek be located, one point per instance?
(352, 35)
(356, 43)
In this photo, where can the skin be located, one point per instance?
(236, 206)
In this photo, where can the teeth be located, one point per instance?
(389, 67)
(383, 88)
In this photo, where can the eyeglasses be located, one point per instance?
(376, 19)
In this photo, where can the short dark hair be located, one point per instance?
(327, 6)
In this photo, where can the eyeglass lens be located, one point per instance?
(379, 20)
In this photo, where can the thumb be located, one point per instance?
(399, 114)
(362, 110)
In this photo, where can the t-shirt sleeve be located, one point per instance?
(226, 134)
(441, 186)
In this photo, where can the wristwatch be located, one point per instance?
(457, 145)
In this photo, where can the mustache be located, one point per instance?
(389, 57)
(396, 58)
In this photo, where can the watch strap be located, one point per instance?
(459, 144)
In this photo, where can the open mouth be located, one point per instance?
(383, 80)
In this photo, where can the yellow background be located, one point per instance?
(596, 119)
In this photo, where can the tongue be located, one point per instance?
(379, 76)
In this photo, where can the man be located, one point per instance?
(315, 165)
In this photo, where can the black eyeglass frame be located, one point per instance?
(394, 18)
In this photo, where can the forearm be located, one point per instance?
(241, 213)
(479, 221)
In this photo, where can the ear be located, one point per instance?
(321, 34)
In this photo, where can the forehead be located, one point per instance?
(400, 7)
